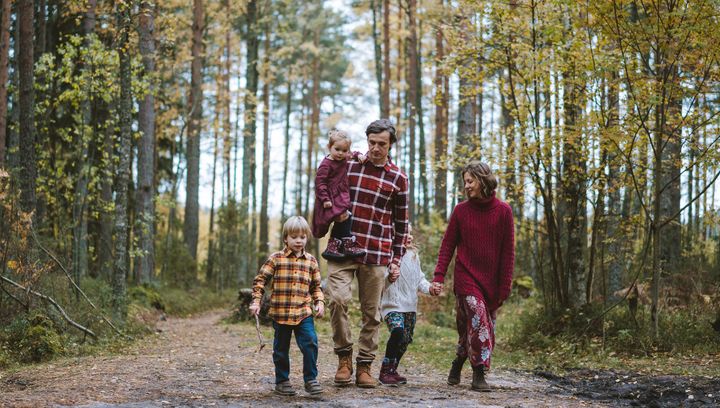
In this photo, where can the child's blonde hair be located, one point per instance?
(336, 135)
(294, 225)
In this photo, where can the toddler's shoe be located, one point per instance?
(284, 388)
(333, 252)
(313, 387)
(351, 249)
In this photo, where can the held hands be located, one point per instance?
(319, 310)
(327, 204)
(255, 308)
(393, 272)
(436, 288)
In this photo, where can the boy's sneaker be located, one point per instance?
(351, 249)
(313, 387)
(284, 388)
(333, 252)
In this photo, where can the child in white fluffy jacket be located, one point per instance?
(398, 308)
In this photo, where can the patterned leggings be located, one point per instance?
(476, 330)
(401, 326)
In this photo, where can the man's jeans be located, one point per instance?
(307, 342)
(371, 279)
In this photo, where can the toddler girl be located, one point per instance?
(332, 200)
(398, 308)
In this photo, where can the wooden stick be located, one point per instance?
(259, 334)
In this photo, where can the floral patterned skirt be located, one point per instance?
(476, 330)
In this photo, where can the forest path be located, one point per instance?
(198, 361)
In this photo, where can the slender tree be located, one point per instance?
(124, 144)
(192, 210)
(5, 9)
(27, 165)
(145, 208)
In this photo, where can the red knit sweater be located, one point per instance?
(482, 231)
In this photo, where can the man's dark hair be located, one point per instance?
(381, 125)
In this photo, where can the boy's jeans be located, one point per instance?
(307, 342)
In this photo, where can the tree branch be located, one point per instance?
(54, 303)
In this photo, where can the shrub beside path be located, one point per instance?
(198, 361)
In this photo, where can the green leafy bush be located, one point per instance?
(33, 340)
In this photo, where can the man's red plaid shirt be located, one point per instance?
(379, 196)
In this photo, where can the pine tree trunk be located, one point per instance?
(314, 124)
(26, 160)
(441, 142)
(264, 235)
(5, 9)
(227, 140)
(124, 144)
(251, 81)
(288, 106)
(80, 204)
(209, 271)
(385, 89)
(40, 34)
(192, 210)
(378, 53)
(145, 225)
(412, 81)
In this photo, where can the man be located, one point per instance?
(379, 194)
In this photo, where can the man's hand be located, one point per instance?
(436, 288)
(327, 204)
(255, 308)
(394, 272)
(319, 310)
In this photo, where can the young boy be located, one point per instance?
(295, 287)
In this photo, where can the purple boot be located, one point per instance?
(333, 252)
(351, 249)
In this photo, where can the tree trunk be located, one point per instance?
(441, 142)
(80, 199)
(573, 191)
(124, 144)
(4, 59)
(385, 89)
(378, 53)
(227, 140)
(288, 106)
(315, 102)
(614, 186)
(421, 128)
(192, 210)
(145, 225)
(412, 79)
(210, 265)
(26, 163)
(40, 32)
(264, 235)
(251, 81)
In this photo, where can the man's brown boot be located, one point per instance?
(363, 379)
(343, 376)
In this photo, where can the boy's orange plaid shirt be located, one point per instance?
(295, 285)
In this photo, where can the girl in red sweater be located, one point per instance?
(481, 231)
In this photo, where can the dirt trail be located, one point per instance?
(196, 362)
